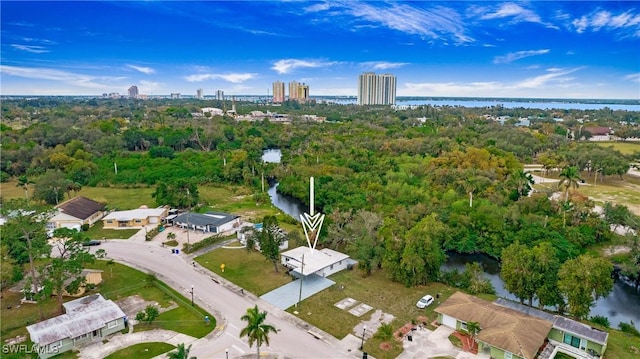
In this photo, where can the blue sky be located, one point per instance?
(546, 49)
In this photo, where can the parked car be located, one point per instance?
(424, 301)
(92, 242)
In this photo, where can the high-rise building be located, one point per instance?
(133, 91)
(219, 95)
(376, 89)
(293, 90)
(200, 94)
(298, 91)
(176, 95)
(303, 93)
(278, 92)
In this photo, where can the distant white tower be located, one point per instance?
(133, 91)
(376, 89)
(200, 94)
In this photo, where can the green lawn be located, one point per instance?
(626, 148)
(98, 232)
(377, 291)
(249, 270)
(625, 191)
(142, 351)
(622, 346)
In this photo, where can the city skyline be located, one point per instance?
(447, 49)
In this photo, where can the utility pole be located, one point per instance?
(188, 225)
(301, 278)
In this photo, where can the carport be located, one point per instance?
(289, 294)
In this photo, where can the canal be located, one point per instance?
(621, 305)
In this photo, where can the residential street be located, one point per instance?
(227, 303)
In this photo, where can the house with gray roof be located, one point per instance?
(86, 319)
(210, 222)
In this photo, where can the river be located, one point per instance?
(621, 305)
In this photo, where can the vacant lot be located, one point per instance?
(626, 148)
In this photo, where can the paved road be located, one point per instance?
(227, 303)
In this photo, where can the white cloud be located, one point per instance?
(286, 66)
(382, 65)
(553, 75)
(633, 77)
(143, 69)
(75, 79)
(542, 85)
(605, 20)
(438, 22)
(235, 78)
(513, 56)
(30, 48)
(512, 10)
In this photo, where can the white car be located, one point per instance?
(424, 301)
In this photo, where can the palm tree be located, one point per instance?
(569, 178)
(522, 181)
(181, 352)
(473, 328)
(256, 330)
(24, 182)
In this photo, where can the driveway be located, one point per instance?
(434, 343)
(291, 293)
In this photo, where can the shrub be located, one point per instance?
(385, 332)
(203, 243)
(85, 227)
(140, 316)
(629, 328)
(601, 320)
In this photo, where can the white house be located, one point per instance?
(135, 218)
(323, 262)
(213, 111)
(86, 319)
(212, 222)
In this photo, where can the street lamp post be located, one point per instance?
(188, 225)
(364, 331)
(192, 296)
(226, 352)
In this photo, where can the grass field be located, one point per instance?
(625, 191)
(241, 268)
(626, 148)
(142, 351)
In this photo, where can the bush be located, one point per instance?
(85, 227)
(601, 320)
(385, 332)
(140, 316)
(629, 329)
(203, 243)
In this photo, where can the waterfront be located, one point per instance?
(505, 103)
(621, 305)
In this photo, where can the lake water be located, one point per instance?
(272, 155)
(562, 105)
